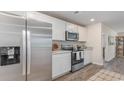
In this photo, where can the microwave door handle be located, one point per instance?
(24, 52)
(28, 52)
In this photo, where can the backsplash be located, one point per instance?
(59, 42)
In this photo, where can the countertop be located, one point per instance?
(68, 51)
(60, 52)
(88, 48)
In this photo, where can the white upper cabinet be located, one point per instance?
(82, 33)
(58, 28)
(71, 27)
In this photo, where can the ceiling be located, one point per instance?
(113, 19)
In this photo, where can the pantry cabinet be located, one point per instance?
(82, 33)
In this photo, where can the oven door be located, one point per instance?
(77, 61)
(71, 36)
(76, 58)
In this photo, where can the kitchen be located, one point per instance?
(22, 49)
(69, 50)
(95, 42)
(61, 45)
(42, 46)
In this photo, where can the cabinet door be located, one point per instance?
(61, 63)
(71, 27)
(66, 64)
(56, 66)
(87, 57)
(75, 28)
(58, 29)
(82, 33)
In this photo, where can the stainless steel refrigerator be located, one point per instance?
(25, 47)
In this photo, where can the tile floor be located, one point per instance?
(106, 75)
(115, 65)
(82, 74)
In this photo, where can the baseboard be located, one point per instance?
(54, 78)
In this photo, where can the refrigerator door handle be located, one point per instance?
(24, 53)
(28, 52)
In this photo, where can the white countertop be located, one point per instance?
(60, 52)
(88, 48)
(68, 51)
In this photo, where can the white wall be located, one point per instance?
(94, 41)
(110, 50)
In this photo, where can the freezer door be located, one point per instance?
(12, 47)
(39, 49)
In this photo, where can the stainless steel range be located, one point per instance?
(77, 57)
(77, 60)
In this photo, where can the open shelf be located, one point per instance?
(120, 46)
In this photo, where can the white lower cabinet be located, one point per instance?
(61, 64)
(87, 56)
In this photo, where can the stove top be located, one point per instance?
(72, 48)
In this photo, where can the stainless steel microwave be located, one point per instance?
(71, 36)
